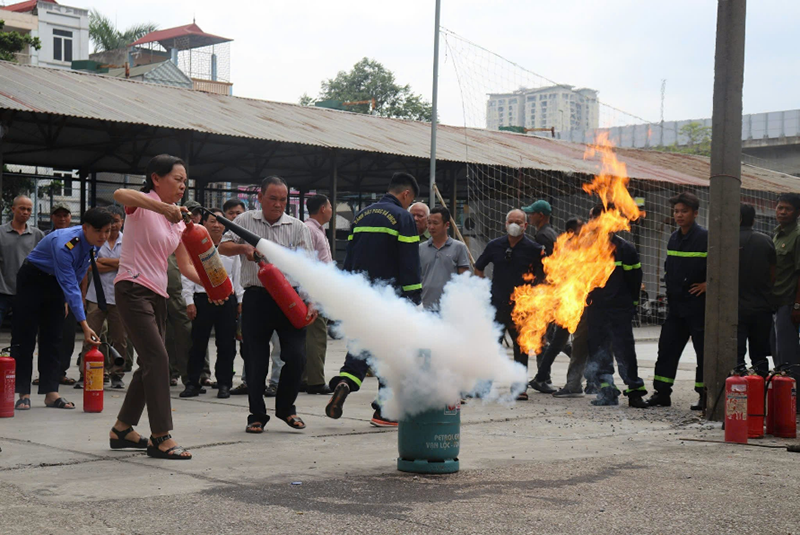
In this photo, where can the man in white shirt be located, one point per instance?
(107, 266)
(205, 315)
(320, 213)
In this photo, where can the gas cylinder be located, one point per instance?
(93, 380)
(7, 384)
(284, 295)
(429, 442)
(785, 396)
(206, 261)
(736, 409)
(755, 406)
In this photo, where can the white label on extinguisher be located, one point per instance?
(212, 264)
(736, 403)
(10, 385)
(93, 376)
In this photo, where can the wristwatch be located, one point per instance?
(796, 306)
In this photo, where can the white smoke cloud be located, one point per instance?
(427, 360)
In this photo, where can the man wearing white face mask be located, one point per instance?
(512, 256)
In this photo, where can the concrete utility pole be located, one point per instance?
(722, 303)
(435, 104)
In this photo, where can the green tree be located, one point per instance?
(105, 35)
(12, 42)
(368, 80)
(698, 140)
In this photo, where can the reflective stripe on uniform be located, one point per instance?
(353, 378)
(663, 379)
(408, 239)
(412, 287)
(631, 267)
(637, 389)
(699, 385)
(604, 385)
(384, 230)
(687, 254)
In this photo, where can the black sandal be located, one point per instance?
(294, 422)
(60, 403)
(174, 453)
(256, 423)
(121, 442)
(23, 404)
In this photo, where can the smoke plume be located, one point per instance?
(427, 360)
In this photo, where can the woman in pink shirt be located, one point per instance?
(152, 233)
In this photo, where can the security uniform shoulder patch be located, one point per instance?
(72, 243)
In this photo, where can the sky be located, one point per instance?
(622, 48)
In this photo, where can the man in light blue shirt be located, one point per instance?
(440, 258)
(49, 276)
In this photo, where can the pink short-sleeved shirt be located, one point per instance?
(147, 242)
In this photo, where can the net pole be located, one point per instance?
(434, 103)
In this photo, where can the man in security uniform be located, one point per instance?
(610, 319)
(685, 275)
(49, 278)
(384, 245)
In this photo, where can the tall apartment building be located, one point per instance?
(561, 107)
(63, 31)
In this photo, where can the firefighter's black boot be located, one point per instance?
(701, 403)
(659, 399)
(636, 400)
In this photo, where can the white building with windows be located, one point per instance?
(62, 30)
(561, 107)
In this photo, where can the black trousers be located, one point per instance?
(67, 342)
(261, 316)
(38, 308)
(353, 372)
(682, 323)
(223, 320)
(503, 317)
(755, 328)
(612, 329)
(558, 343)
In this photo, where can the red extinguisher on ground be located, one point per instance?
(755, 406)
(282, 292)
(783, 406)
(206, 260)
(8, 380)
(736, 409)
(93, 365)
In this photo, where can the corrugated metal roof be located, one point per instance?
(77, 94)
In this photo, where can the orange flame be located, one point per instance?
(579, 263)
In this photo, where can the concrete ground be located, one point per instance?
(543, 466)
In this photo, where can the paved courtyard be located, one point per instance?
(542, 466)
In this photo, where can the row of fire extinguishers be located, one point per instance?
(217, 284)
(753, 403)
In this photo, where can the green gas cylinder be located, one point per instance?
(429, 442)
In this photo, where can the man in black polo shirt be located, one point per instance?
(512, 256)
(756, 273)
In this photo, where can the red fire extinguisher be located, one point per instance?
(283, 293)
(8, 381)
(206, 260)
(736, 409)
(755, 406)
(93, 380)
(770, 406)
(785, 406)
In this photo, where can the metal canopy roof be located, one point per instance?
(68, 119)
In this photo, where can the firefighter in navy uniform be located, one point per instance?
(384, 245)
(49, 278)
(685, 275)
(610, 319)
